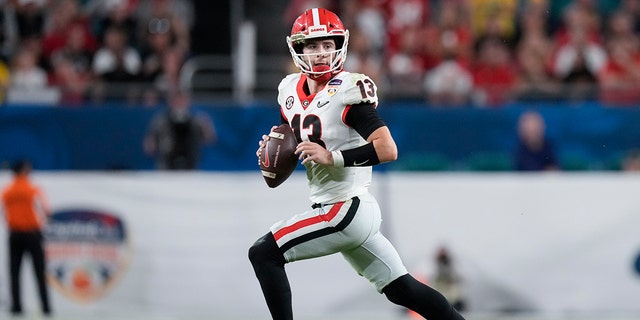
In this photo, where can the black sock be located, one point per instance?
(268, 264)
(415, 295)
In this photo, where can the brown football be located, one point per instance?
(277, 159)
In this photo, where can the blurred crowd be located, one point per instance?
(491, 52)
(72, 52)
(483, 53)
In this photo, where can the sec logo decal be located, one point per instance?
(87, 253)
(289, 103)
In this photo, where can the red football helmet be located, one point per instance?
(318, 23)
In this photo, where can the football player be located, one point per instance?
(341, 136)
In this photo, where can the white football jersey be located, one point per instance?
(320, 118)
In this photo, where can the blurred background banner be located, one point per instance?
(549, 244)
(591, 137)
(88, 252)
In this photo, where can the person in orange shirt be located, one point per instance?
(25, 210)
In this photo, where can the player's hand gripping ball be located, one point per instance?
(277, 158)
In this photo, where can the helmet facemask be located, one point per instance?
(303, 60)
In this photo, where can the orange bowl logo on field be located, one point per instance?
(87, 253)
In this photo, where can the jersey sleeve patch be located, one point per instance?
(358, 89)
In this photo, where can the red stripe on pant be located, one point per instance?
(309, 221)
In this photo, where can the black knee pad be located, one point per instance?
(264, 250)
(399, 290)
(415, 295)
(409, 292)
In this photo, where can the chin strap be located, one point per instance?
(321, 77)
(325, 76)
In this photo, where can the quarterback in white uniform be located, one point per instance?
(341, 136)
(319, 118)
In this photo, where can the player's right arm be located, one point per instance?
(262, 143)
(286, 81)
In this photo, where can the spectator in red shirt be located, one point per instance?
(619, 80)
(70, 67)
(533, 54)
(405, 66)
(66, 16)
(72, 84)
(449, 36)
(403, 15)
(494, 75)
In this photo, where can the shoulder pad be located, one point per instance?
(358, 88)
(286, 82)
(288, 79)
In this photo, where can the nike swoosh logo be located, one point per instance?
(356, 164)
(322, 104)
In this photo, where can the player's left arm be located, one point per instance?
(380, 146)
(383, 144)
(361, 114)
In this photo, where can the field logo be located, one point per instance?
(87, 253)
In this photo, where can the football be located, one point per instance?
(277, 159)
